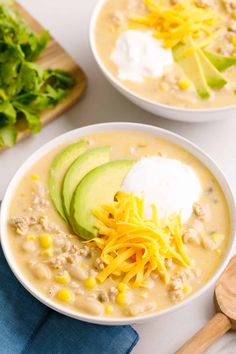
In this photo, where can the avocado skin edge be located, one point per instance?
(54, 186)
(220, 62)
(95, 155)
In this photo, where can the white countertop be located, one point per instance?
(68, 23)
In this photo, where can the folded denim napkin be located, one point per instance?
(27, 326)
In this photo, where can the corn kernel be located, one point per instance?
(121, 298)
(217, 250)
(186, 289)
(233, 41)
(84, 265)
(184, 84)
(90, 283)
(217, 237)
(122, 287)
(35, 177)
(64, 295)
(45, 241)
(31, 237)
(62, 279)
(47, 253)
(108, 309)
(234, 15)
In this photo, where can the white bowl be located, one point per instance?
(78, 133)
(159, 109)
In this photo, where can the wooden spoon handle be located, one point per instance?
(202, 340)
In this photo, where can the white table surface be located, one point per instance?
(68, 22)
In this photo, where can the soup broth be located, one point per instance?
(64, 267)
(171, 86)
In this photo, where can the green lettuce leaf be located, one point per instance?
(7, 137)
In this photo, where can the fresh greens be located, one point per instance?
(26, 89)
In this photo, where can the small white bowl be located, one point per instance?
(76, 134)
(159, 109)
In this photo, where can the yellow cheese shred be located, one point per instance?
(132, 247)
(174, 24)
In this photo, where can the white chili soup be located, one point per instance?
(118, 224)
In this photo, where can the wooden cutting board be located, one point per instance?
(54, 56)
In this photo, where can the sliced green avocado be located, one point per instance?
(214, 78)
(58, 169)
(220, 62)
(97, 188)
(192, 68)
(79, 168)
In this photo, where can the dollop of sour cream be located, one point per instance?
(169, 184)
(138, 55)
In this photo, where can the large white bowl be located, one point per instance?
(78, 133)
(170, 112)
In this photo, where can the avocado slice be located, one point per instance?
(192, 68)
(79, 168)
(58, 170)
(97, 188)
(214, 78)
(220, 62)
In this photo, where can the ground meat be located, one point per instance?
(74, 249)
(230, 5)
(135, 5)
(194, 274)
(118, 18)
(39, 196)
(113, 292)
(99, 264)
(85, 251)
(49, 226)
(73, 254)
(204, 4)
(176, 285)
(169, 83)
(198, 210)
(171, 78)
(232, 26)
(22, 223)
(191, 236)
(226, 48)
(73, 258)
(59, 261)
(103, 297)
(176, 296)
(67, 246)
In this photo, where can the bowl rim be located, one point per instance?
(122, 87)
(117, 126)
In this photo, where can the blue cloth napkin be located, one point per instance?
(29, 327)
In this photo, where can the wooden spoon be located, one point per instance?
(224, 319)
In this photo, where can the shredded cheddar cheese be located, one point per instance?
(175, 24)
(133, 247)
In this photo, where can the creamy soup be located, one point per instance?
(168, 52)
(152, 263)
